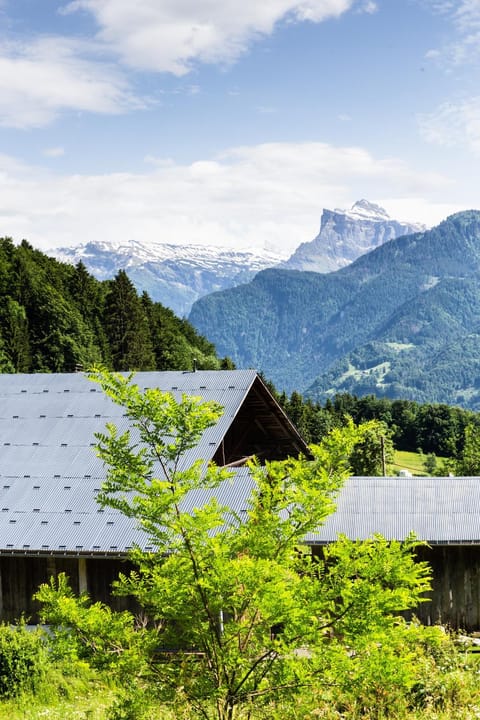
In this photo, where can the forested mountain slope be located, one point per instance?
(56, 317)
(401, 321)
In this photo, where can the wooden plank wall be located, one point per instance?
(454, 600)
(455, 596)
(20, 578)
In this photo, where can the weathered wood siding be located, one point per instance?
(454, 599)
(20, 578)
(455, 596)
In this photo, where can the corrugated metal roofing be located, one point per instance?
(188, 382)
(49, 473)
(438, 510)
(62, 516)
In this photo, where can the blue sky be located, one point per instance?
(233, 123)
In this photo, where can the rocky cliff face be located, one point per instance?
(345, 235)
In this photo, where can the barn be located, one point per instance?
(50, 521)
(442, 511)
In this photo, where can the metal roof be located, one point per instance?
(49, 472)
(48, 421)
(61, 515)
(439, 510)
(50, 475)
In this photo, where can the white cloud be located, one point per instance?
(170, 35)
(54, 152)
(268, 196)
(465, 18)
(454, 124)
(467, 15)
(369, 7)
(44, 77)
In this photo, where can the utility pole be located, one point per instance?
(384, 463)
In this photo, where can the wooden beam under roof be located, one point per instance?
(260, 428)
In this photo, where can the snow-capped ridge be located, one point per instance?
(365, 210)
(135, 253)
(175, 275)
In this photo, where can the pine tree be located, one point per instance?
(126, 327)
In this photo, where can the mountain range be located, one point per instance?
(177, 275)
(401, 321)
(174, 275)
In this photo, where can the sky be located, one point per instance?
(233, 123)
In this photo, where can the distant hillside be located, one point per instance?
(175, 275)
(56, 317)
(345, 235)
(401, 321)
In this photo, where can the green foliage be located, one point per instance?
(127, 327)
(237, 614)
(128, 706)
(374, 452)
(468, 462)
(57, 318)
(410, 426)
(23, 660)
(92, 632)
(430, 464)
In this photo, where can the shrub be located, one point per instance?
(23, 659)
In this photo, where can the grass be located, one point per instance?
(90, 705)
(94, 707)
(94, 700)
(411, 461)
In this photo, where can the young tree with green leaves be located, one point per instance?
(237, 614)
(468, 462)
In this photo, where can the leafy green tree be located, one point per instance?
(431, 464)
(17, 335)
(437, 429)
(374, 451)
(469, 461)
(237, 613)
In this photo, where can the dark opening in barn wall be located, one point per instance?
(20, 578)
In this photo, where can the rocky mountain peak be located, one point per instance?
(346, 234)
(364, 209)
